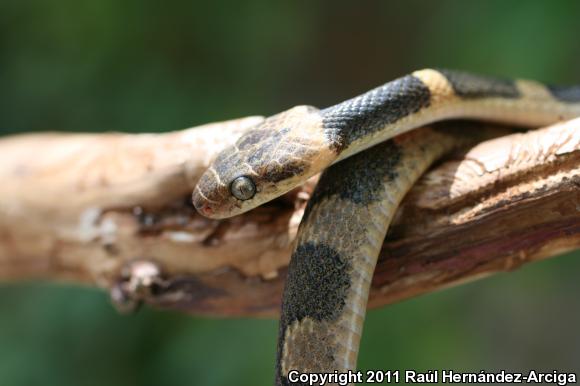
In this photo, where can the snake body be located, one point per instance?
(286, 149)
(346, 219)
(331, 268)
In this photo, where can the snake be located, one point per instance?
(369, 155)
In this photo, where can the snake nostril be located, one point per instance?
(201, 204)
(206, 210)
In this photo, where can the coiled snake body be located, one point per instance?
(347, 217)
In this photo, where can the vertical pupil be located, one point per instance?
(243, 188)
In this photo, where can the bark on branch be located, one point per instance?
(92, 208)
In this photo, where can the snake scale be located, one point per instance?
(347, 217)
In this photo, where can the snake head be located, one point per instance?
(267, 161)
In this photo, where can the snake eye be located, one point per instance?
(243, 188)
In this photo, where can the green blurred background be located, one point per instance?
(87, 65)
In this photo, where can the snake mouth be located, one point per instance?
(205, 206)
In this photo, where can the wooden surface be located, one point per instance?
(113, 210)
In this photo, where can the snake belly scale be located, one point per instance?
(347, 217)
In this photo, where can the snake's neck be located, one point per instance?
(426, 96)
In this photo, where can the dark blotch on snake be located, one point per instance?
(469, 86)
(320, 286)
(275, 172)
(357, 179)
(251, 138)
(565, 94)
(363, 115)
(321, 279)
(266, 159)
(225, 163)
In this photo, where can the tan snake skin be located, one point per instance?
(347, 218)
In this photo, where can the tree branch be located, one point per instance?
(113, 210)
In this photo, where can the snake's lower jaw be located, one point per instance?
(215, 210)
